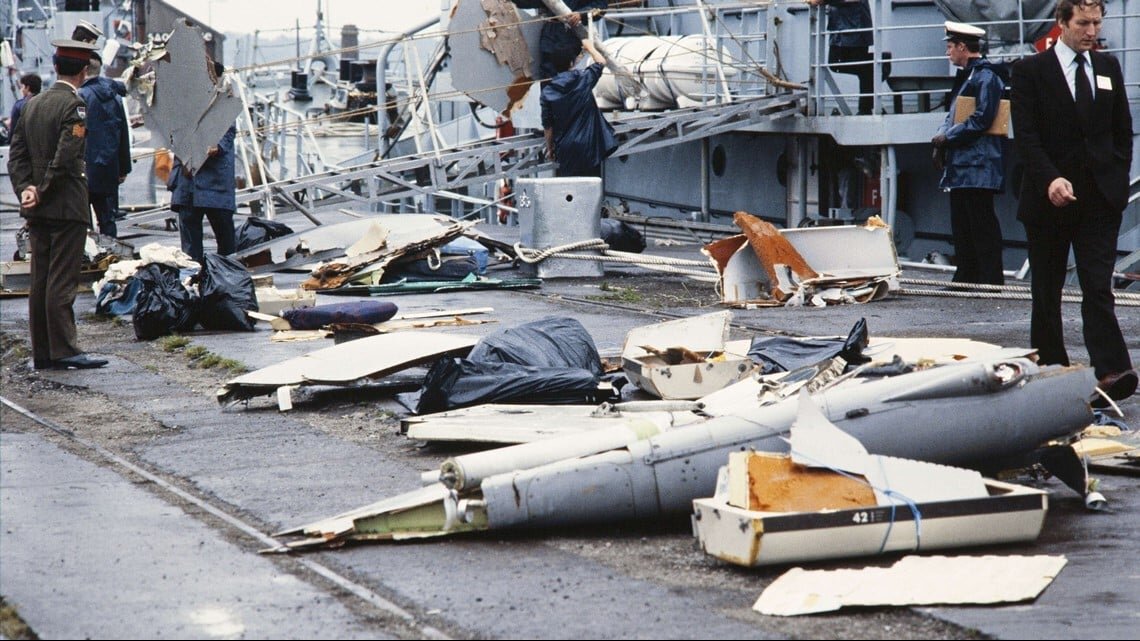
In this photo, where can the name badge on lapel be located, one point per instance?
(1104, 82)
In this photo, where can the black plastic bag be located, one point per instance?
(620, 236)
(163, 305)
(255, 231)
(784, 353)
(365, 312)
(226, 288)
(548, 342)
(460, 382)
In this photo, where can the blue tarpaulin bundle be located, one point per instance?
(118, 298)
(367, 312)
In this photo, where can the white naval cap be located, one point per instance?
(962, 32)
(86, 32)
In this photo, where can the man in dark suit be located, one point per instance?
(47, 168)
(1073, 130)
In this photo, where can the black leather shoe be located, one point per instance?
(1117, 386)
(79, 361)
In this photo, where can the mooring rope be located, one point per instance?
(607, 255)
(1006, 292)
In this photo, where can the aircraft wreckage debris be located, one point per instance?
(995, 409)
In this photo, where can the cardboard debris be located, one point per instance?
(347, 364)
(813, 266)
(306, 249)
(683, 359)
(420, 320)
(272, 301)
(810, 506)
(395, 242)
(1115, 454)
(913, 580)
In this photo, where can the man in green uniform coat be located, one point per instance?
(47, 169)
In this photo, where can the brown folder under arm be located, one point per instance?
(965, 106)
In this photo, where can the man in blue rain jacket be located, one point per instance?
(972, 166)
(108, 153)
(578, 137)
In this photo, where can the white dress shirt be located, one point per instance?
(1068, 59)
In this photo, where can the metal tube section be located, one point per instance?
(469, 470)
(888, 184)
(1000, 409)
(802, 176)
(267, 197)
(382, 77)
(705, 187)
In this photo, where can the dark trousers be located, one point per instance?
(106, 207)
(57, 256)
(977, 237)
(1090, 227)
(592, 172)
(865, 72)
(190, 229)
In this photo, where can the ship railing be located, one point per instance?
(276, 142)
(899, 82)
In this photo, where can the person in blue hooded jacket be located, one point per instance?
(578, 137)
(971, 161)
(108, 153)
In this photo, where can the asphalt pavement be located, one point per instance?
(89, 550)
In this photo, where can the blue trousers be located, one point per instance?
(106, 206)
(190, 229)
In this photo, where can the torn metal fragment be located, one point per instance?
(501, 74)
(850, 264)
(192, 107)
(501, 35)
